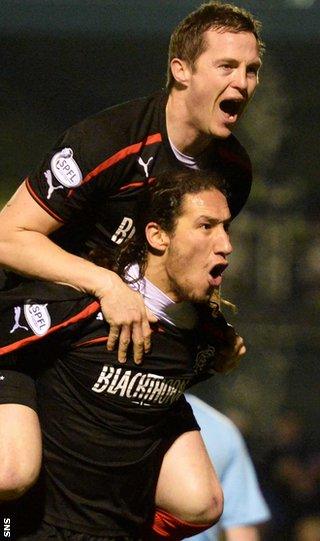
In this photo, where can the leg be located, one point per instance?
(188, 490)
(188, 486)
(20, 450)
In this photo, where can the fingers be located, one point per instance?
(141, 342)
(124, 341)
(128, 318)
(137, 333)
(146, 335)
(113, 337)
(229, 354)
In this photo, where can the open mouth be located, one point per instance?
(231, 107)
(217, 270)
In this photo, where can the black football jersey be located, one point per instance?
(92, 180)
(106, 426)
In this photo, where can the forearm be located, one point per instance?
(242, 533)
(25, 248)
(33, 254)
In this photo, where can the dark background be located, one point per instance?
(62, 60)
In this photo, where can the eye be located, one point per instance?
(225, 67)
(206, 226)
(253, 70)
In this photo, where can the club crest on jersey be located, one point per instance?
(38, 318)
(203, 359)
(65, 168)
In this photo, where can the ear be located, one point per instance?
(180, 71)
(157, 238)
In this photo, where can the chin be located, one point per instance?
(201, 297)
(221, 133)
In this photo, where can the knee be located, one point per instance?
(204, 508)
(208, 510)
(16, 479)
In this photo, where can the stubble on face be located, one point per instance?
(222, 82)
(190, 268)
(180, 286)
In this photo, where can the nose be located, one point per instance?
(240, 80)
(223, 244)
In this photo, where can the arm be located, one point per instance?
(242, 533)
(26, 249)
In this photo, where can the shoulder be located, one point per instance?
(119, 120)
(116, 133)
(33, 291)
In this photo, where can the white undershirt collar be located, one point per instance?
(188, 161)
(178, 314)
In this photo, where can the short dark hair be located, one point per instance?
(188, 41)
(163, 203)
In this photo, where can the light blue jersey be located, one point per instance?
(243, 502)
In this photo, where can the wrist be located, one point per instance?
(103, 281)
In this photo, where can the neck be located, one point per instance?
(179, 314)
(156, 273)
(183, 133)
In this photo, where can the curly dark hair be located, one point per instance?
(163, 203)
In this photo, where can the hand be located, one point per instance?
(128, 317)
(230, 349)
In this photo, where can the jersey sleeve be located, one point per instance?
(59, 184)
(91, 161)
(35, 310)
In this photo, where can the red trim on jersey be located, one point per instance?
(137, 184)
(86, 312)
(92, 341)
(41, 203)
(121, 154)
(155, 327)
